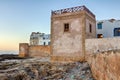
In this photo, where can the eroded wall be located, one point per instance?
(103, 56)
(102, 44)
(105, 65)
(23, 50)
(33, 51)
(67, 45)
(92, 22)
(64, 42)
(39, 51)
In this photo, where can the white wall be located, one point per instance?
(39, 39)
(107, 28)
(41, 42)
(46, 39)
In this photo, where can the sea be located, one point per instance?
(8, 52)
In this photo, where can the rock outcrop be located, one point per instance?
(42, 69)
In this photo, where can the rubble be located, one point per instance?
(39, 69)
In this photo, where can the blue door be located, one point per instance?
(116, 31)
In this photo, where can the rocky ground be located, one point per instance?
(42, 69)
(9, 56)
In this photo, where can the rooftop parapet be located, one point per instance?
(71, 10)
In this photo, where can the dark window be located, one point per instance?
(117, 32)
(66, 27)
(99, 25)
(43, 38)
(90, 28)
(44, 44)
(99, 35)
(48, 43)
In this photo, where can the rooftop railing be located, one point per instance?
(73, 9)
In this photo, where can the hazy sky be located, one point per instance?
(18, 18)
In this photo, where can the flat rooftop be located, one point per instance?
(71, 10)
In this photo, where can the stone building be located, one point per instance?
(108, 28)
(69, 28)
(37, 38)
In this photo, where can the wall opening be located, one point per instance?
(48, 43)
(66, 27)
(44, 44)
(99, 35)
(90, 28)
(43, 38)
(99, 25)
(116, 31)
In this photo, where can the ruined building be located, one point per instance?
(69, 28)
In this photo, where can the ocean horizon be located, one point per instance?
(8, 52)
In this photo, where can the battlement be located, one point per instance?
(72, 10)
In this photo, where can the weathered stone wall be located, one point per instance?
(67, 46)
(33, 51)
(23, 50)
(90, 21)
(39, 51)
(103, 56)
(105, 65)
(102, 44)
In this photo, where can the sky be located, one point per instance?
(18, 18)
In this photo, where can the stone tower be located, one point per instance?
(23, 50)
(69, 28)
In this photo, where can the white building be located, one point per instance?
(37, 38)
(108, 28)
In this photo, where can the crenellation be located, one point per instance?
(72, 10)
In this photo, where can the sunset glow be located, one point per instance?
(19, 18)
